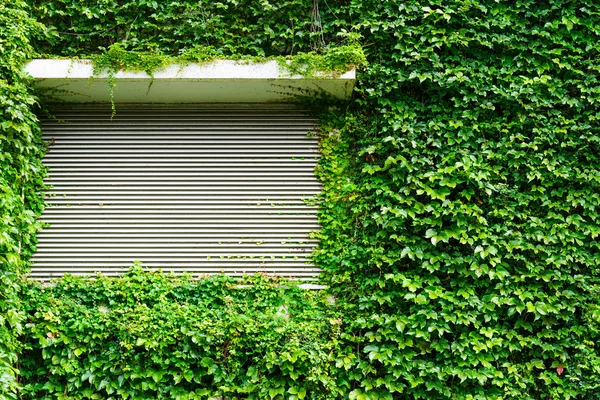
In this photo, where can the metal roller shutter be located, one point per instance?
(182, 188)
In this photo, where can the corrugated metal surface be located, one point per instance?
(181, 188)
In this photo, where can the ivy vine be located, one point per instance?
(257, 338)
(309, 65)
(21, 174)
(459, 210)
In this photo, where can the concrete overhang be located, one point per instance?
(220, 81)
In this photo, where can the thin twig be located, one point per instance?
(317, 25)
(130, 27)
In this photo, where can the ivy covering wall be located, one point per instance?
(21, 173)
(461, 193)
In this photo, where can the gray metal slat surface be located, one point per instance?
(202, 189)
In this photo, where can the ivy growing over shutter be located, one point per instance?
(461, 198)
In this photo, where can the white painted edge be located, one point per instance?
(312, 286)
(218, 69)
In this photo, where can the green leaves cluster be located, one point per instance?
(152, 335)
(253, 28)
(459, 210)
(336, 60)
(467, 222)
(21, 173)
(330, 60)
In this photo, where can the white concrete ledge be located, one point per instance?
(220, 81)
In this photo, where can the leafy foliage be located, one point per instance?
(465, 216)
(233, 27)
(459, 210)
(21, 174)
(116, 58)
(151, 335)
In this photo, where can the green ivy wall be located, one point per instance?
(459, 211)
(21, 173)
